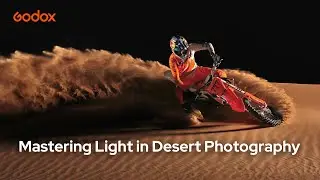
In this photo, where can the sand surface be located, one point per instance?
(113, 96)
(304, 129)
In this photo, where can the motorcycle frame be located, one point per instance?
(230, 93)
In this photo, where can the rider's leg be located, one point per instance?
(203, 72)
(199, 74)
(186, 104)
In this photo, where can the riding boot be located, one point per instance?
(191, 111)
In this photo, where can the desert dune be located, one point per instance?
(96, 95)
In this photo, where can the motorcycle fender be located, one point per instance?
(255, 99)
(218, 87)
(234, 101)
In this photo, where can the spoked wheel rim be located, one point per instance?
(265, 114)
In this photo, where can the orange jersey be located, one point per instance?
(179, 68)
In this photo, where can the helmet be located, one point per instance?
(179, 46)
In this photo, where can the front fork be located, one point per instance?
(243, 94)
(235, 96)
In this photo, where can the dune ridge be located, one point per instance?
(35, 83)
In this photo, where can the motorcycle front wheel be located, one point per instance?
(266, 115)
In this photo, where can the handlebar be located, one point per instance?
(216, 62)
(216, 59)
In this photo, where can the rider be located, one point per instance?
(185, 71)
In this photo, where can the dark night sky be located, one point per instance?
(276, 47)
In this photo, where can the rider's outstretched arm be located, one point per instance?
(195, 47)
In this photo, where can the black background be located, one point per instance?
(272, 42)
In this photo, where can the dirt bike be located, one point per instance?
(225, 92)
